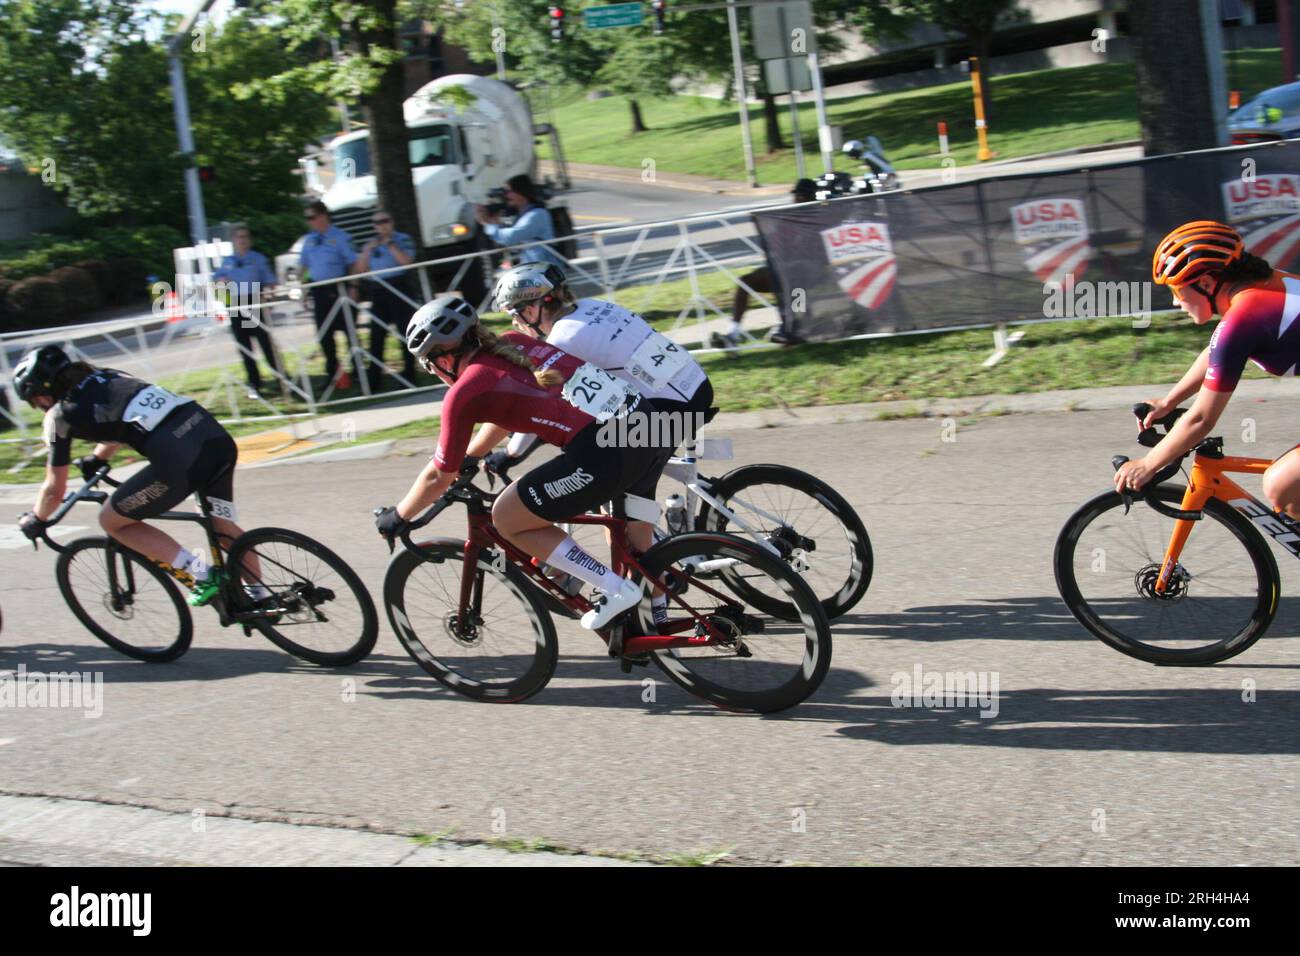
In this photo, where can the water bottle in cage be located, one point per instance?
(675, 514)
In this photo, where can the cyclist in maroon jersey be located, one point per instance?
(1206, 267)
(525, 385)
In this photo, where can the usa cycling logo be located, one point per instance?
(1266, 210)
(863, 260)
(1054, 234)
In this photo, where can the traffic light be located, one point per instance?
(658, 6)
(556, 14)
(207, 174)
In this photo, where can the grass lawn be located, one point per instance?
(1064, 355)
(1032, 113)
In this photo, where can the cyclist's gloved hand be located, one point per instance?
(89, 465)
(390, 523)
(31, 525)
(499, 462)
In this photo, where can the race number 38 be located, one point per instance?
(222, 509)
(150, 406)
(657, 360)
(594, 391)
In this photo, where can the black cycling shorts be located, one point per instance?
(586, 474)
(189, 451)
(689, 418)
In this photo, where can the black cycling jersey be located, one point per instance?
(108, 406)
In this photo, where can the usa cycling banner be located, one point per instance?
(1054, 235)
(1266, 211)
(863, 259)
(1017, 248)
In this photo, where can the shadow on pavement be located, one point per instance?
(198, 663)
(1008, 619)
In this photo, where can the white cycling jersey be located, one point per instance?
(623, 344)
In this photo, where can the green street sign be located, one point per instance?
(612, 15)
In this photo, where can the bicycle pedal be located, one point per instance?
(615, 648)
(626, 663)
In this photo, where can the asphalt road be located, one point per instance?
(1093, 758)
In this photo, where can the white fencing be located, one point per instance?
(633, 261)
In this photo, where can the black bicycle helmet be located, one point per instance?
(36, 371)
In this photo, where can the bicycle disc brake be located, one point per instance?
(1146, 578)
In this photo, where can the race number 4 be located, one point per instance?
(657, 360)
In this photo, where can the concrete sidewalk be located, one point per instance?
(343, 436)
(52, 831)
(371, 420)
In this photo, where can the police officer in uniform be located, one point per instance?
(250, 275)
(388, 248)
(327, 253)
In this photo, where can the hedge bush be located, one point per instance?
(80, 293)
(102, 275)
(8, 322)
(37, 302)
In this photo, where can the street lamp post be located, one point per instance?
(181, 108)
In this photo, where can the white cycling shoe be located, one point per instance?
(606, 607)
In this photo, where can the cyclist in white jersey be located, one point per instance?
(617, 340)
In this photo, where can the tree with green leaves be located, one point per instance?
(974, 20)
(87, 97)
(368, 71)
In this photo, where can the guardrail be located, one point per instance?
(632, 261)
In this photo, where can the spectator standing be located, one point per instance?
(327, 253)
(388, 248)
(760, 280)
(251, 275)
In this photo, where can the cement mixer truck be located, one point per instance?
(466, 136)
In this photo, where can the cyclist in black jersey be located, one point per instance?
(188, 450)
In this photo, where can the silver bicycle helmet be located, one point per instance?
(526, 283)
(439, 323)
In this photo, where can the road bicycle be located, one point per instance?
(800, 518)
(317, 608)
(1189, 579)
(474, 611)
(796, 516)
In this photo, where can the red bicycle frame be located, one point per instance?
(483, 536)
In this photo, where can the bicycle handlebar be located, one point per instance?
(85, 493)
(1149, 438)
(462, 489)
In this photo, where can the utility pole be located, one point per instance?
(181, 108)
(739, 65)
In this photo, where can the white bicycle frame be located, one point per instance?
(685, 468)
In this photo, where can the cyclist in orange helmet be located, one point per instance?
(1207, 268)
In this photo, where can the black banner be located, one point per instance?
(1070, 244)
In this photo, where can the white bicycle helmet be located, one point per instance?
(436, 325)
(527, 283)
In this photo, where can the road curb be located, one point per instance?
(41, 831)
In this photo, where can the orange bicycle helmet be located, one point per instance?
(1193, 250)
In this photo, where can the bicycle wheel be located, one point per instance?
(1221, 598)
(770, 662)
(321, 612)
(815, 530)
(504, 652)
(140, 602)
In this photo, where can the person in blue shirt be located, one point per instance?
(533, 223)
(249, 276)
(388, 249)
(327, 253)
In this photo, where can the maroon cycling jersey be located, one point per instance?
(1260, 327)
(490, 389)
